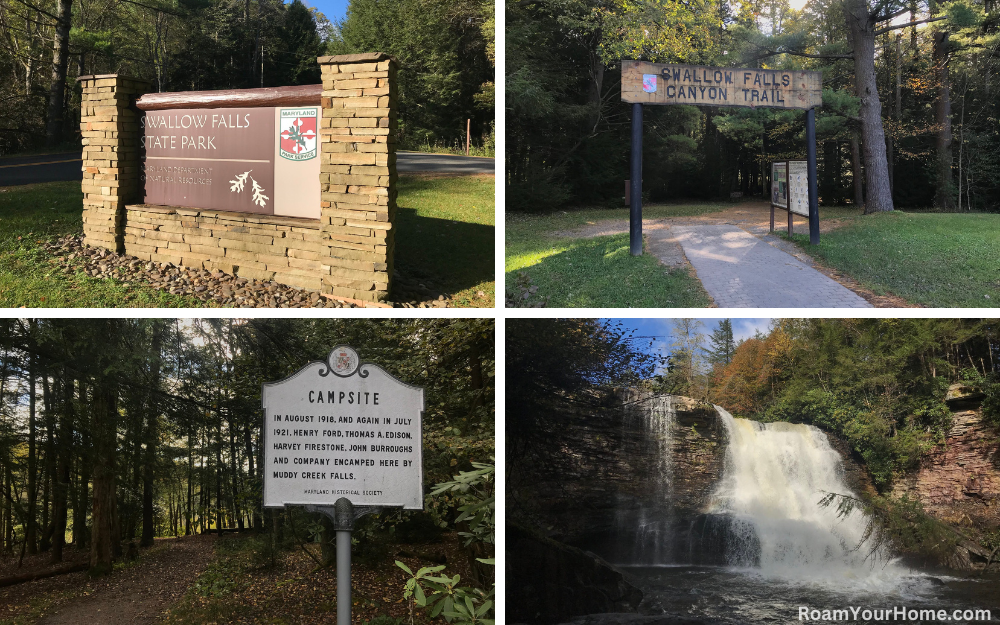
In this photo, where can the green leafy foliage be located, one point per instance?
(442, 595)
(445, 63)
(878, 383)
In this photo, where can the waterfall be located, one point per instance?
(645, 529)
(774, 476)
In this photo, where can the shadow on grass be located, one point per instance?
(600, 273)
(456, 255)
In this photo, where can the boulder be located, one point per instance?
(550, 582)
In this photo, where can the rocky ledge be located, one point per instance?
(217, 287)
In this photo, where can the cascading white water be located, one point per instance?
(774, 476)
(654, 415)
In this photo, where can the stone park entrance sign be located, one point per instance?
(343, 429)
(661, 83)
(292, 184)
(343, 438)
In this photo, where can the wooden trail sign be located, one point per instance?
(699, 85)
(660, 83)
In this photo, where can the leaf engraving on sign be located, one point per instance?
(258, 191)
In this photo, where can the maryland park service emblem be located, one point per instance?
(297, 133)
(344, 360)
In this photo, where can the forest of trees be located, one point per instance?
(444, 48)
(121, 430)
(908, 118)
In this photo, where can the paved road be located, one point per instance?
(740, 271)
(51, 167)
(42, 168)
(443, 163)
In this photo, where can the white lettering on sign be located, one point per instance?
(342, 429)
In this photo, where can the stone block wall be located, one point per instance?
(358, 173)
(288, 250)
(109, 124)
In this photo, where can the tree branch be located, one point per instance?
(882, 31)
(808, 56)
(882, 18)
(39, 10)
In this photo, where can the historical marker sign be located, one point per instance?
(343, 428)
(660, 83)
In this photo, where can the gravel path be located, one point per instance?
(221, 288)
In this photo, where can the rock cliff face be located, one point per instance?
(549, 582)
(639, 456)
(959, 480)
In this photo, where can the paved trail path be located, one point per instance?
(741, 271)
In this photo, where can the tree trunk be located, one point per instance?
(234, 475)
(65, 444)
(218, 475)
(8, 516)
(152, 436)
(188, 515)
(255, 521)
(50, 463)
(104, 427)
(861, 27)
(944, 197)
(31, 534)
(859, 196)
(81, 534)
(60, 60)
(828, 190)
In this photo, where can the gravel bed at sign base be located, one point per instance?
(217, 287)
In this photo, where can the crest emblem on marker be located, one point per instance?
(345, 361)
(297, 134)
(649, 83)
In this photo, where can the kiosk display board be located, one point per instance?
(798, 187)
(779, 184)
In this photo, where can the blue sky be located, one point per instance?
(334, 10)
(660, 330)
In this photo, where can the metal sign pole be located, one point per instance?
(635, 206)
(813, 192)
(344, 514)
(344, 524)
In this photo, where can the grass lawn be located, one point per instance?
(597, 272)
(933, 259)
(33, 214)
(446, 233)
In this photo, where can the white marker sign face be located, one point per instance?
(343, 429)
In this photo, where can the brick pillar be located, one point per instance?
(109, 124)
(358, 173)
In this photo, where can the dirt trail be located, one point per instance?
(138, 594)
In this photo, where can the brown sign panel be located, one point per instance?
(219, 159)
(660, 83)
